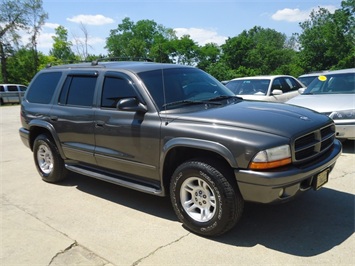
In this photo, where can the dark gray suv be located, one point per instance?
(172, 130)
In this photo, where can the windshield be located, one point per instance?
(306, 80)
(182, 86)
(332, 84)
(249, 86)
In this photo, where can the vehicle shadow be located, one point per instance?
(307, 226)
(154, 205)
(349, 146)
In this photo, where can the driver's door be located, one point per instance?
(126, 141)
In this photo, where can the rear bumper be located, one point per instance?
(25, 136)
(345, 131)
(285, 183)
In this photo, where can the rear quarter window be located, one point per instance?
(43, 87)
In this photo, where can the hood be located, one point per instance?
(275, 118)
(325, 103)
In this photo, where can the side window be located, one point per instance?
(12, 88)
(2, 88)
(23, 88)
(78, 91)
(115, 89)
(276, 84)
(43, 87)
(293, 84)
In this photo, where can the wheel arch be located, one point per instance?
(178, 150)
(37, 127)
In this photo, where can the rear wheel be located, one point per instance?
(205, 198)
(49, 163)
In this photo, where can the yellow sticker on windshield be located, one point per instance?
(322, 78)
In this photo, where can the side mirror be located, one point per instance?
(301, 90)
(277, 92)
(131, 104)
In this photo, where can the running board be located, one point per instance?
(116, 181)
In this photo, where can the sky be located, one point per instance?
(205, 21)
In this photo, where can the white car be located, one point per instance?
(11, 93)
(333, 93)
(276, 88)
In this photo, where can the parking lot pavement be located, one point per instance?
(84, 221)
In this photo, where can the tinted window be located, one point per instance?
(2, 88)
(78, 91)
(292, 84)
(306, 80)
(276, 84)
(42, 88)
(332, 84)
(249, 86)
(23, 88)
(167, 86)
(12, 88)
(114, 90)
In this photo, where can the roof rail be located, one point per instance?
(57, 63)
(96, 61)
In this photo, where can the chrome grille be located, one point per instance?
(313, 144)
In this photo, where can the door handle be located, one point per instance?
(100, 123)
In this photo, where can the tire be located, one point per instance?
(48, 161)
(205, 198)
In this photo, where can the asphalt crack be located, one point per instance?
(159, 248)
(63, 251)
(89, 255)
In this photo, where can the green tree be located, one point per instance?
(61, 46)
(21, 61)
(185, 51)
(327, 40)
(220, 71)
(144, 39)
(257, 51)
(13, 17)
(37, 18)
(208, 55)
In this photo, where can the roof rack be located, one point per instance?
(144, 59)
(102, 59)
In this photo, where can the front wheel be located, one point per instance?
(205, 198)
(49, 163)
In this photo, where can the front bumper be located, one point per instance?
(285, 183)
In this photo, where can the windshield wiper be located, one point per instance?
(224, 97)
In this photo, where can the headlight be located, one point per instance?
(340, 115)
(271, 158)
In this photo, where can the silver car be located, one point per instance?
(306, 79)
(271, 88)
(11, 93)
(332, 93)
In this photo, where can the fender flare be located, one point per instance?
(198, 144)
(49, 127)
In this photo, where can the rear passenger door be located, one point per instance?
(13, 94)
(126, 141)
(73, 116)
